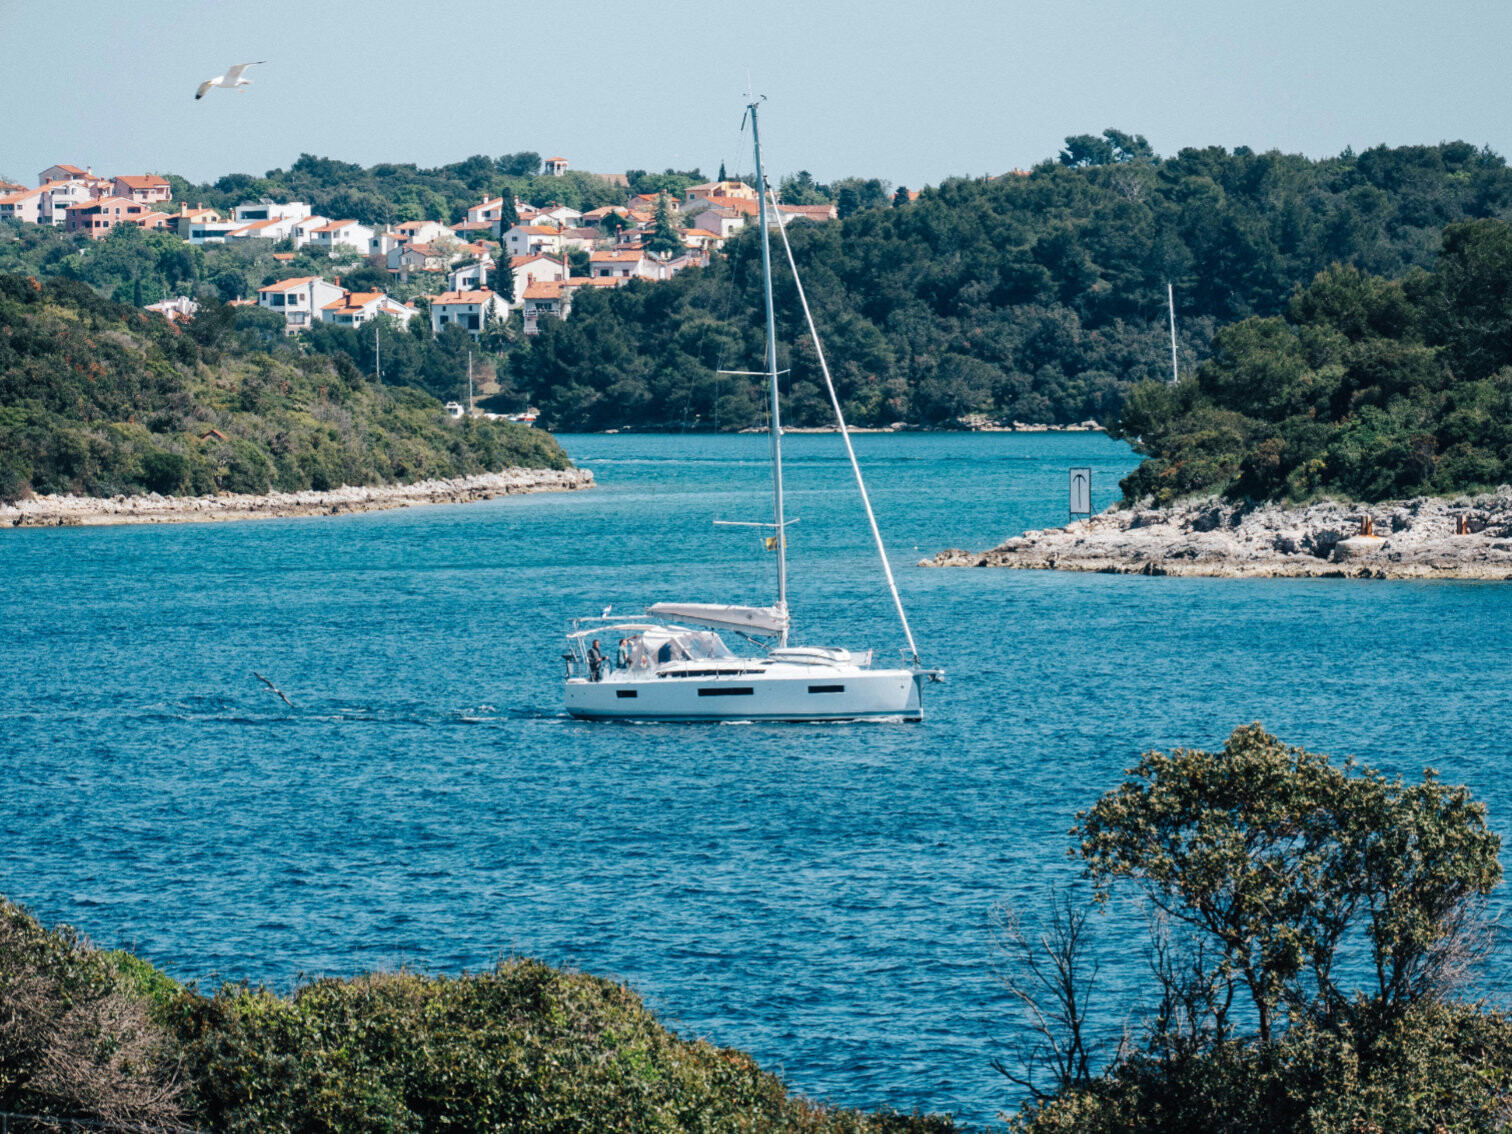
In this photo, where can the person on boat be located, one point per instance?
(623, 660)
(595, 661)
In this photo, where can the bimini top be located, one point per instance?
(766, 620)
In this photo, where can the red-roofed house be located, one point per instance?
(299, 299)
(359, 307)
(147, 188)
(63, 173)
(336, 235)
(470, 310)
(722, 222)
(524, 239)
(710, 189)
(96, 218)
(622, 264)
(530, 269)
(24, 206)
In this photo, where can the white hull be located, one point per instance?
(780, 693)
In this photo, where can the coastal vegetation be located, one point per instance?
(102, 1035)
(100, 399)
(1363, 387)
(1313, 927)
(1036, 295)
(1039, 296)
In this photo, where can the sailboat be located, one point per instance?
(671, 663)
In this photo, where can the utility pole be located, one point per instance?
(469, 385)
(377, 354)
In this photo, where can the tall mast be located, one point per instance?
(1171, 304)
(776, 422)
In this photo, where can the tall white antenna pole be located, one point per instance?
(469, 384)
(377, 355)
(1171, 304)
(776, 423)
(845, 436)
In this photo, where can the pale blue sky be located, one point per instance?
(912, 92)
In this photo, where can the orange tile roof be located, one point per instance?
(539, 229)
(353, 300)
(17, 198)
(333, 226)
(616, 256)
(285, 285)
(447, 298)
(100, 202)
(701, 232)
(145, 181)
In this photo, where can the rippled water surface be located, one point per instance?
(818, 895)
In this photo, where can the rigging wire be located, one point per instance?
(844, 431)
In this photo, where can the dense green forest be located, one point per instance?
(106, 1037)
(1364, 387)
(100, 399)
(1038, 297)
(1035, 297)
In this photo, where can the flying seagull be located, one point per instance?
(232, 78)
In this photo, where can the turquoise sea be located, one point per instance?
(817, 895)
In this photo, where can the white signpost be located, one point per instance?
(1081, 493)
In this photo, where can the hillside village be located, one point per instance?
(496, 260)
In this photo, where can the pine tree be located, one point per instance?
(664, 234)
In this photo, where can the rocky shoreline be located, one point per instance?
(69, 511)
(1422, 538)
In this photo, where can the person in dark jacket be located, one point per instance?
(595, 661)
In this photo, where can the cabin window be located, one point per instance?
(624, 693)
(826, 689)
(727, 691)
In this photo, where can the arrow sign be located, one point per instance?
(1081, 492)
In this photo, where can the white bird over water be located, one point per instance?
(232, 78)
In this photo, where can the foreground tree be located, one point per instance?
(1284, 860)
(1311, 924)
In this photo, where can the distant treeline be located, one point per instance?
(102, 399)
(1365, 387)
(1038, 297)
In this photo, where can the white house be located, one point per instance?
(273, 228)
(470, 310)
(24, 206)
(721, 221)
(525, 239)
(60, 195)
(306, 227)
(207, 229)
(267, 210)
(531, 269)
(332, 238)
(471, 277)
(561, 215)
(299, 300)
(623, 264)
(358, 307)
(554, 166)
(421, 231)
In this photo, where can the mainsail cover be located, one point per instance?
(751, 619)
